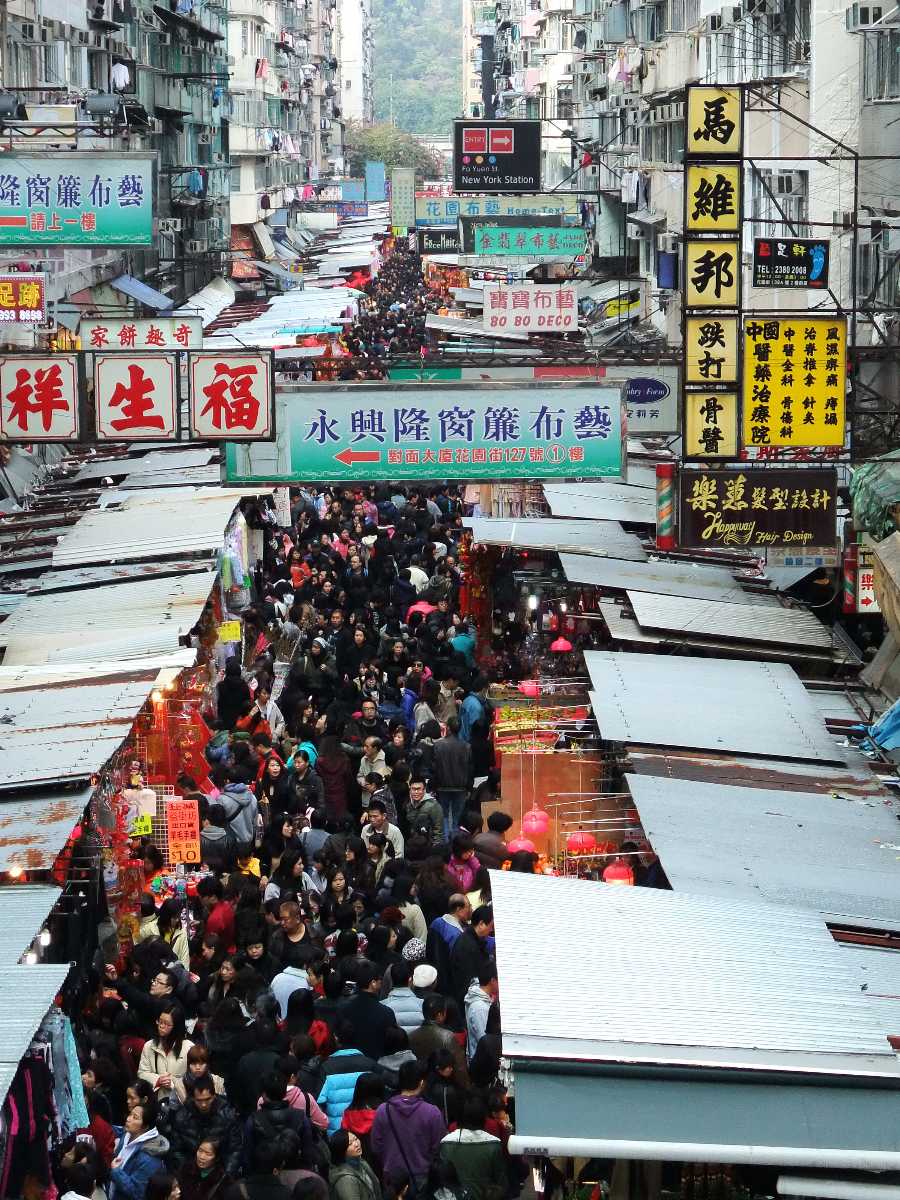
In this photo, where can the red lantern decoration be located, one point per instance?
(536, 822)
(530, 688)
(560, 646)
(581, 842)
(521, 843)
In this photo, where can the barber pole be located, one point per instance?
(851, 563)
(665, 506)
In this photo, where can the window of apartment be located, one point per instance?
(260, 175)
(881, 65)
(245, 38)
(235, 174)
(779, 203)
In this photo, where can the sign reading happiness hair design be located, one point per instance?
(758, 506)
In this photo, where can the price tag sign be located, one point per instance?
(142, 825)
(184, 830)
(230, 631)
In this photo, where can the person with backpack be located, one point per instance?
(277, 1121)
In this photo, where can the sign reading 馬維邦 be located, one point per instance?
(715, 125)
(790, 263)
(496, 156)
(65, 199)
(156, 333)
(758, 506)
(530, 307)
(372, 432)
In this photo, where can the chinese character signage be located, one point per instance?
(712, 273)
(76, 200)
(541, 243)
(866, 600)
(714, 122)
(23, 297)
(231, 395)
(497, 156)
(438, 241)
(530, 307)
(446, 210)
(711, 350)
(348, 209)
(790, 263)
(403, 198)
(362, 432)
(39, 398)
(713, 198)
(469, 227)
(711, 425)
(795, 380)
(758, 506)
(158, 333)
(136, 397)
(183, 830)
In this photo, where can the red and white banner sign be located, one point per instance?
(530, 307)
(231, 396)
(157, 333)
(136, 397)
(39, 398)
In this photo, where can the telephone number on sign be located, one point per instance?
(561, 321)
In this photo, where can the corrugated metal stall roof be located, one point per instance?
(708, 704)
(151, 525)
(157, 462)
(108, 573)
(25, 909)
(604, 501)
(756, 844)
(545, 533)
(67, 731)
(740, 622)
(878, 972)
(692, 974)
(26, 994)
(34, 828)
(665, 578)
(120, 620)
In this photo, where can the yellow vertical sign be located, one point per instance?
(710, 425)
(713, 198)
(712, 273)
(711, 350)
(795, 381)
(714, 122)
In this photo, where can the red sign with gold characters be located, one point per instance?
(231, 396)
(23, 297)
(136, 397)
(39, 398)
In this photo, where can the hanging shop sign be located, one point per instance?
(795, 380)
(792, 263)
(496, 156)
(713, 197)
(23, 297)
(866, 600)
(63, 199)
(469, 227)
(231, 395)
(811, 556)
(758, 506)
(136, 397)
(229, 631)
(39, 398)
(183, 830)
(530, 307)
(712, 273)
(446, 210)
(376, 182)
(715, 125)
(361, 433)
(438, 241)
(711, 350)
(711, 424)
(540, 244)
(158, 333)
(353, 208)
(403, 198)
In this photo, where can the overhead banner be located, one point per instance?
(757, 507)
(438, 241)
(541, 244)
(363, 433)
(62, 199)
(136, 397)
(446, 210)
(530, 307)
(23, 297)
(469, 227)
(793, 263)
(157, 333)
(39, 398)
(795, 380)
(497, 156)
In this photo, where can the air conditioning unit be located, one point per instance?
(634, 232)
(726, 16)
(155, 125)
(759, 8)
(231, 61)
(196, 246)
(667, 243)
(863, 16)
(777, 23)
(799, 52)
(219, 159)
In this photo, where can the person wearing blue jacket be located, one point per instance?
(342, 1069)
(140, 1153)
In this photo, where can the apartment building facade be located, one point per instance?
(357, 61)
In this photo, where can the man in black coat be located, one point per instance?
(470, 952)
(365, 1012)
(204, 1116)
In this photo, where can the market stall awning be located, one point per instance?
(26, 995)
(25, 909)
(694, 1029)
(142, 292)
(605, 538)
(263, 239)
(605, 501)
(666, 578)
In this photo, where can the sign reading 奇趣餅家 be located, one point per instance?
(758, 507)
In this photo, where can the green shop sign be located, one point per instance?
(540, 242)
(364, 433)
(76, 199)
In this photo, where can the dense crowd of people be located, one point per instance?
(322, 1017)
(391, 317)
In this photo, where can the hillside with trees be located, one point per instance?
(419, 42)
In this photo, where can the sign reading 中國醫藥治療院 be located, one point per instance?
(448, 431)
(76, 199)
(758, 506)
(497, 156)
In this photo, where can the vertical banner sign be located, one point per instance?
(376, 182)
(713, 215)
(232, 395)
(795, 380)
(403, 199)
(183, 827)
(866, 600)
(136, 397)
(39, 398)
